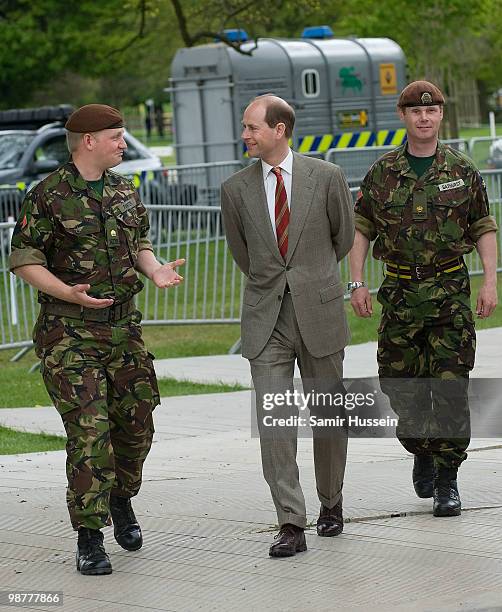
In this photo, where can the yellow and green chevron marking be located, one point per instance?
(349, 140)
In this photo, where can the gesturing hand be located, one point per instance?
(166, 275)
(78, 295)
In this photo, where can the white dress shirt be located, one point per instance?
(270, 181)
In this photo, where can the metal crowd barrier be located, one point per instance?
(18, 300)
(197, 184)
(11, 199)
(213, 286)
(356, 162)
(479, 151)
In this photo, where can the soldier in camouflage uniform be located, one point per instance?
(425, 205)
(81, 238)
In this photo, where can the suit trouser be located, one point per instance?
(272, 373)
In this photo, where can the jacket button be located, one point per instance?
(279, 298)
(288, 268)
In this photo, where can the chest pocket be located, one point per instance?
(390, 211)
(77, 241)
(451, 209)
(129, 225)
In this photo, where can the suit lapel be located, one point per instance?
(255, 199)
(302, 191)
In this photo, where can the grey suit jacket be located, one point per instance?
(321, 232)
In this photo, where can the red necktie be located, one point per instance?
(281, 213)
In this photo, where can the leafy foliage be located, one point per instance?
(120, 50)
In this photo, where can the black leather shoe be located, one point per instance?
(446, 497)
(91, 558)
(126, 530)
(290, 540)
(330, 521)
(423, 475)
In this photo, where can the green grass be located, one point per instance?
(170, 387)
(20, 388)
(13, 442)
(484, 130)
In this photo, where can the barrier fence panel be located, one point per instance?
(493, 182)
(355, 162)
(486, 152)
(18, 300)
(11, 199)
(460, 144)
(213, 287)
(198, 184)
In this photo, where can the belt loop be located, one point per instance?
(81, 312)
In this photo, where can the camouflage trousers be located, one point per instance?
(426, 348)
(102, 381)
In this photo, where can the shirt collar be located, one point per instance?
(286, 165)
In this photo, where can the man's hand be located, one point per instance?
(361, 302)
(487, 300)
(78, 295)
(166, 275)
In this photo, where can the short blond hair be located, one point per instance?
(73, 140)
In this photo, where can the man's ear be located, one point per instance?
(280, 129)
(88, 140)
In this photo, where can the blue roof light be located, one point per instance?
(318, 32)
(236, 35)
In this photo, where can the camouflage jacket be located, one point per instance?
(66, 227)
(423, 220)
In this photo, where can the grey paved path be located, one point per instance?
(208, 521)
(360, 362)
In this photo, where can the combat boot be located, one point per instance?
(446, 497)
(126, 530)
(91, 555)
(423, 475)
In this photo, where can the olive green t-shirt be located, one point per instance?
(419, 165)
(98, 185)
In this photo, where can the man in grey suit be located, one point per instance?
(288, 222)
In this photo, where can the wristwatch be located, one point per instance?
(355, 285)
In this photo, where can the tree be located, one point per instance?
(122, 49)
(199, 22)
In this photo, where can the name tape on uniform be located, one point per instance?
(451, 185)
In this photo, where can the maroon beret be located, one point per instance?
(420, 93)
(93, 118)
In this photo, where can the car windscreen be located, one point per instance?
(12, 148)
